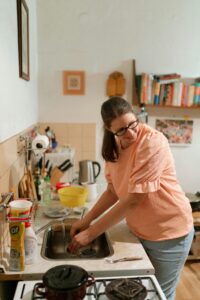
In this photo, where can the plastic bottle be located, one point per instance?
(17, 230)
(46, 192)
(30, 244)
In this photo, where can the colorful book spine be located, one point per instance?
(162, 94)
(177, 94)
(149, 89)
(143, 92)
(156, 99)
(184, 95)
(169, 94)
(138, 80)
(167, 77)
(190, 95)
(196, 99)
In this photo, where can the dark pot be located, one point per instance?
(65, 282)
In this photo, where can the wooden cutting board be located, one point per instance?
(26, 188)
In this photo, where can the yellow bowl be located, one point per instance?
(73, 196)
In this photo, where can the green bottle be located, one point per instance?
(46, 193)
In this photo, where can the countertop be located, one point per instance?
(124, 244)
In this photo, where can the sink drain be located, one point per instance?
(88, 252)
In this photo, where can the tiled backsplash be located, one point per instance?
(80, 136)
(11, 171)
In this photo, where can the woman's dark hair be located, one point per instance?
(111, 109)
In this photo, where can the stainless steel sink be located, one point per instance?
(57, 238)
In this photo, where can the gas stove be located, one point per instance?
(148, 284)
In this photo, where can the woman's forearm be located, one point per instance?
(106, 200)
(115, 215)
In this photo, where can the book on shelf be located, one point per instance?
(138, 80)
(156, 93)
(162, 95)
(169, 94)
(196, 99)
(190, 97)
(184, 95)
(163, 77)
(149, 88)
(144, 88)
(167, 90)
(176, 101)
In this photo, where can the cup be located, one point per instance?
(20, 208)
(92, 191)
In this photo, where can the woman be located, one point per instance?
(142, 184)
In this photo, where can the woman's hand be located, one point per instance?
(78, 226)
(80, 240)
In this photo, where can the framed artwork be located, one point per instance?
(23, 39)
(178, 132)
(73, 82)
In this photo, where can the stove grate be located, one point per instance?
(98, 290)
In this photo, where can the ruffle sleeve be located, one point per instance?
(152, 157)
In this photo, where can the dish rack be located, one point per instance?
(5, 219)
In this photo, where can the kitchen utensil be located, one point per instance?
(128, 258)
(56, 211)
(65, 282)
(73, 196)
(49, 170)
(57, 172)
(88, 171)
(63, 164)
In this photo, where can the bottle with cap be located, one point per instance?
(17, 231)
(30, 244)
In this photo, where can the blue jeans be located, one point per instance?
(168, 258)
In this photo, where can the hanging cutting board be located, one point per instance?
(116, 84)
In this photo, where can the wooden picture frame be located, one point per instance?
(73, 82)
(23, 39)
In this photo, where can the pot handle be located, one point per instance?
(90, 281)
(95, 163)
(39, 286)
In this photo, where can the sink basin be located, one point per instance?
(56, 240)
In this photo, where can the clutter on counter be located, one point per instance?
(30, 244)
(17, 258)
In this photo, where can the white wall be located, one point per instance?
(18, 98)
(100, 37)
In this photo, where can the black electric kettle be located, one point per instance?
(88, 171)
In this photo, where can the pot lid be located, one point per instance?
(65, 277)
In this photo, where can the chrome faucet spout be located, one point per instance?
(49, 224)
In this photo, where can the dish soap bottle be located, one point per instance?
(17, 260)
(30, 244)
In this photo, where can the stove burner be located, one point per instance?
(88, 252)
(126, 289)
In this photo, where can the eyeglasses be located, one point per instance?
(123, 130)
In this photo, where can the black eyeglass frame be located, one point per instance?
(123, 130)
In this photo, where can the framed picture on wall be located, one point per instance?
(23, 39)
(177, 131)
(73, 82)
